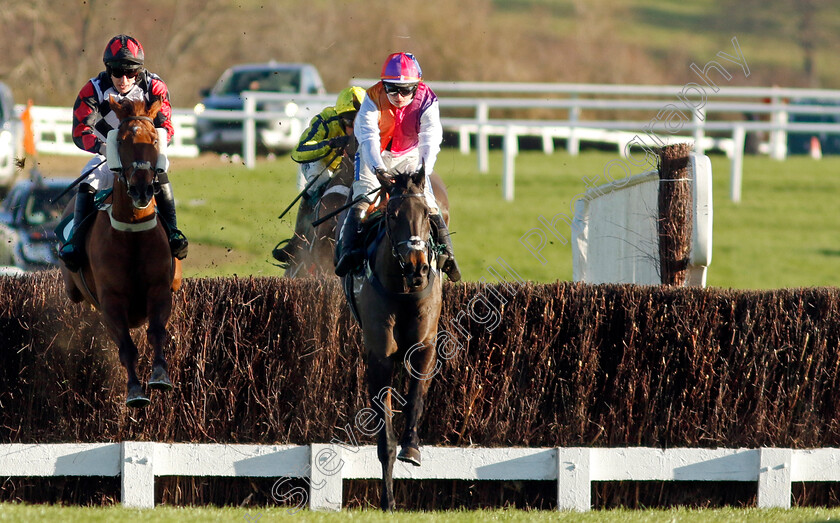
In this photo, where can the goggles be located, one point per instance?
(405, 90)
(119, 73)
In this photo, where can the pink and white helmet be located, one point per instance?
(401, 68)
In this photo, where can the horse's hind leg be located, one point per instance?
(159, 339)
(379, 379)
(422, 361)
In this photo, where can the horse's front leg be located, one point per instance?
(158, 310)
(379, 371)
(422, 361)
(116, 321)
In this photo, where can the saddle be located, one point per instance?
(65, 226)
(101, 202)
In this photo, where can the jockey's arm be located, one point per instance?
(163, 119)
(85, 115)
(314, 142)
(430, 136)
(366, 129)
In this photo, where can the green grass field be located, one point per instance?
(784, 233)
(29, 513)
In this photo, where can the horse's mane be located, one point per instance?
(136, 107)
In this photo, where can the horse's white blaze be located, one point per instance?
(415, 243)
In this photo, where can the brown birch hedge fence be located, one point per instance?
(270, 360)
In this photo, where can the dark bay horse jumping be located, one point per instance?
(398, 305)
(130, 274)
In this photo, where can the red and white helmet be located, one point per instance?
(401, 68)
(124, 52)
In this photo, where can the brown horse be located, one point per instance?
(130, 274)
(398, 307)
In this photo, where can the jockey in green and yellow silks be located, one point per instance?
(319, 154)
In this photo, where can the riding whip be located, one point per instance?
(321, 220)
(77, 180)
(308, 185)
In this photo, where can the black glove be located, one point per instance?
(339, 142)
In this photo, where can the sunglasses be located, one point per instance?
(128, 73)
(396, 89)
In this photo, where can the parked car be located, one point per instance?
(277, 135)
(28, 217)
(8, 136)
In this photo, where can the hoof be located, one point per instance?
(159, 380)
(409, 455)
(136, 399)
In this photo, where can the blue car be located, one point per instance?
(28, 217)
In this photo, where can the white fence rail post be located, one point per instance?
(137, 475)
(511, 149)
(699, 136)
(737, 164)
(774, 478)
(325, 491)
(249, 132)
(573, 142)
(482, 139)
(574, 486)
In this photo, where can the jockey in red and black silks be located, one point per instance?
(124, 78)
(398, 129)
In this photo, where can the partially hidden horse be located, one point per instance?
(398, 303)
(315, 257)
(129, 274)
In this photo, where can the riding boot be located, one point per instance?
(446, 259)
(350, 253)
(166, 209)
(72, 253)
(287, 253)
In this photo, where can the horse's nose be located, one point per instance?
(150, 192)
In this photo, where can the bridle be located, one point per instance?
(135, 166)
(414, 243)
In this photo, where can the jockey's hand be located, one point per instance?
(339, 142)
(382, 172)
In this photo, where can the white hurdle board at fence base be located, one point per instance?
(325, 466)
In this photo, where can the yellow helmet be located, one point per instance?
(349, 99)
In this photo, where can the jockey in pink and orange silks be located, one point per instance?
(398, 129)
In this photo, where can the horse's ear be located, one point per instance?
(419, 176)
(116, 107)
(153, 109)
